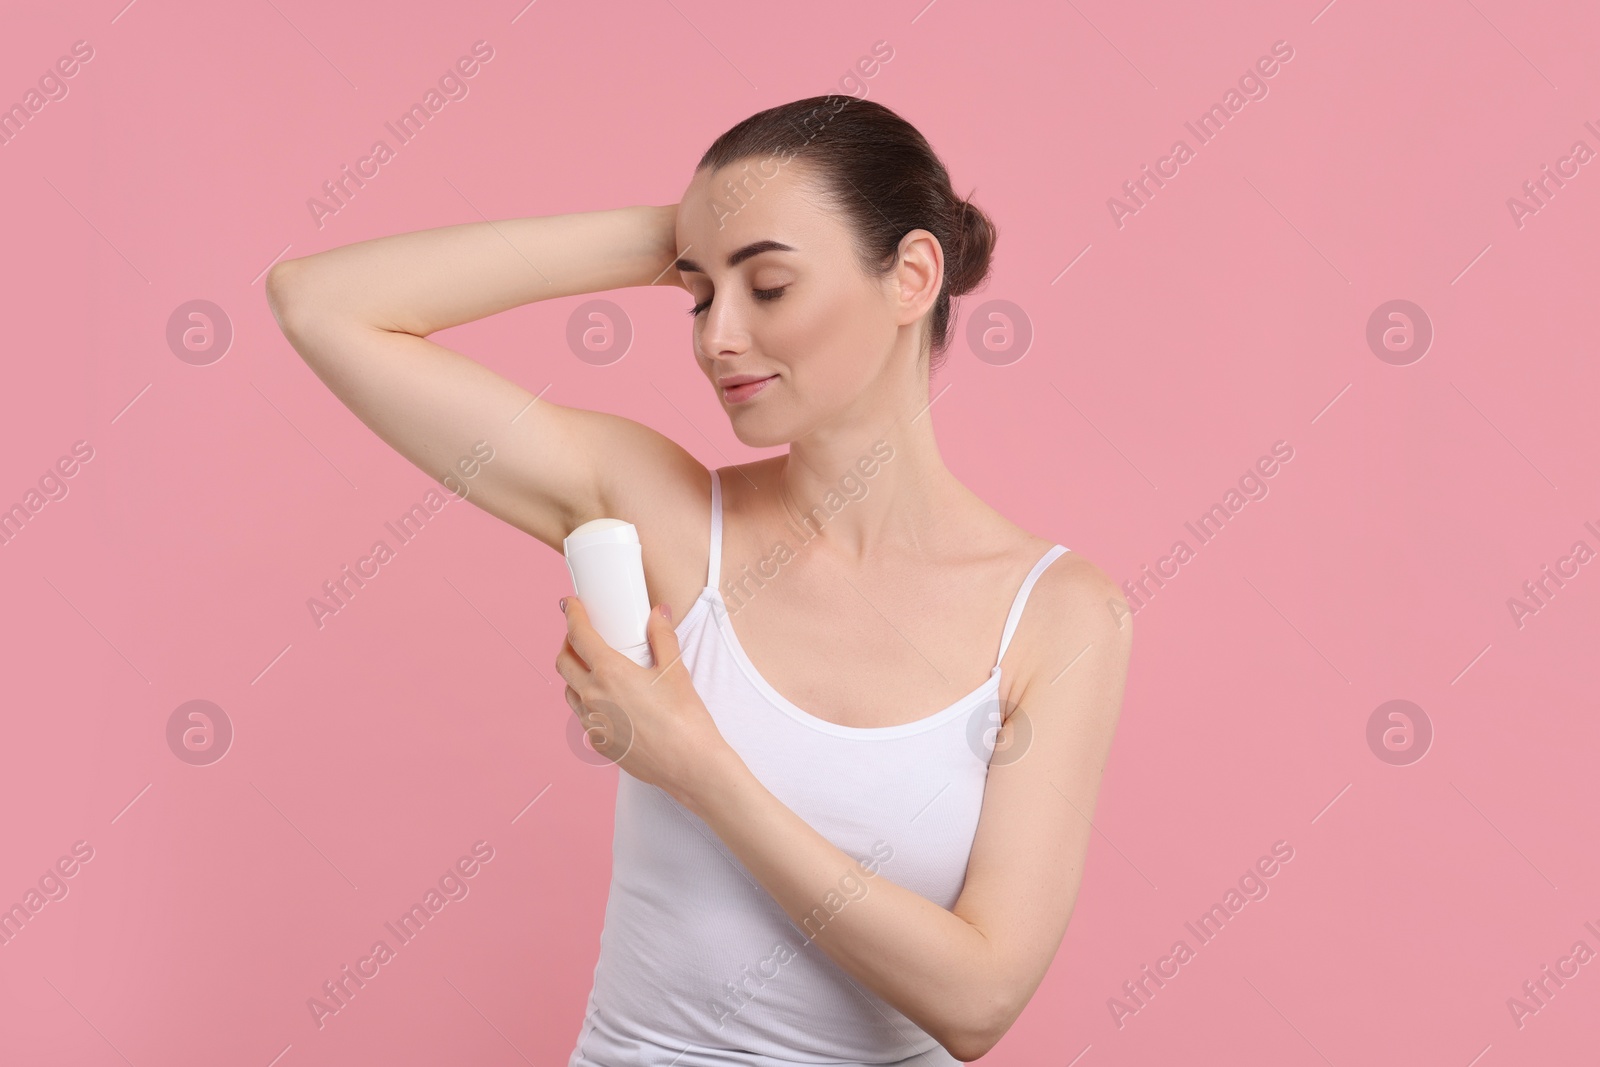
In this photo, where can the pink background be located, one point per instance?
(1227, 314)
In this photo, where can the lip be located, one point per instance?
(738, 388)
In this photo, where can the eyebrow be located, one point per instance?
(754, 249)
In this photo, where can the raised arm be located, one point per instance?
(359, 315)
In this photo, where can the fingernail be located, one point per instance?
(666, 612)
(562, 603)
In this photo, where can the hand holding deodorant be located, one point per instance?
(607, 567)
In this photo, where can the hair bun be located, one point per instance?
(967, 264)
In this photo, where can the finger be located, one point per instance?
(570, 666)
(581, 634)
(663, 639)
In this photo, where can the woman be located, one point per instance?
(812, 864)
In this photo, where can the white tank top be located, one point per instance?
(699, 966)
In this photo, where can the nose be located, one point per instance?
(723, 335)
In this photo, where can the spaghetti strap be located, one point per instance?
(715, 563)
(1022, 596)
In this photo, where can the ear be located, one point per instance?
(919, 274)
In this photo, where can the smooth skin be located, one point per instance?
(902, 595)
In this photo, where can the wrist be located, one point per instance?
(661, 223)
(718, 781)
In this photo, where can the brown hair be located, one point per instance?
(884, 178)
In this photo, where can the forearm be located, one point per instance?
(935, 967)
(430, 280)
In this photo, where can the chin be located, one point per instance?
(758, 434)
(759, 428)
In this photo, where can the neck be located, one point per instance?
(872, 482)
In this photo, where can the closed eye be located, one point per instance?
(760, 294)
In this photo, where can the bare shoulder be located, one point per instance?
(1073, 583)
(1075, 613)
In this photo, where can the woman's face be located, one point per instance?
(804, 317)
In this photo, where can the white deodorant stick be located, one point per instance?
(607, 568)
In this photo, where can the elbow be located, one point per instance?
(970, 1045)
(279, 289)
(297, 303)
(285, 293)
(968, 1049)
(980, 1029)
